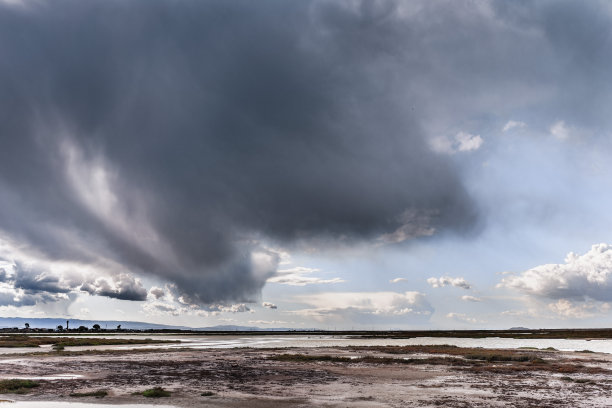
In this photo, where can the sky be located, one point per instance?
(307, 164)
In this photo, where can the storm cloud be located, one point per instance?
(184, 139)
(172, 138)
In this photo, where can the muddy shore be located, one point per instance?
(427, 376)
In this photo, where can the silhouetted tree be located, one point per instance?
(118, 327)
(96, 327)
(60, 328)
(27, 325)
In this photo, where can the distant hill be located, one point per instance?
(52, 323)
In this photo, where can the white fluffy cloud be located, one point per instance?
(461, 142)
(461, 317)
(578, 310)
(398, 280)
(267, 322)
(448, 281)
(298, 276)
(560, 130)
(581, 276)
(513, 124)
(354, 305)
(468, 298)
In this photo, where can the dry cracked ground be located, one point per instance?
(414, 376)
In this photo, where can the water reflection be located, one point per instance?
(52, 404)
(206, 342)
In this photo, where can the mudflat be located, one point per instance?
(391, 376)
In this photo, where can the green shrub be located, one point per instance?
(157, 392)
(17, 386)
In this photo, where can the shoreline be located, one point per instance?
(519, 333)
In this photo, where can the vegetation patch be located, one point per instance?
(157, 392)
(476, 360)
(308, 357)
(479, 334)
(97, 394)
(17, 386)
(207, 394)
(23, 340)
(490, 355)
(552, 367)
(368, 359)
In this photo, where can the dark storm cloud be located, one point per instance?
(173, 137)
(43, 286)
(122, 286)
(33, 281)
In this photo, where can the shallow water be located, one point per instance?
(206, 342)
(46, 377)
(51, 404)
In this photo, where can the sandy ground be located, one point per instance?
(252, 378)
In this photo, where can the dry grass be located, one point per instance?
(97, 394)
(475, 360)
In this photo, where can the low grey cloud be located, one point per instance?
(121, 286)
(157, 293)
(269, 305)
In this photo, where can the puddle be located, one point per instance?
(49, 404)
(47, 377)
